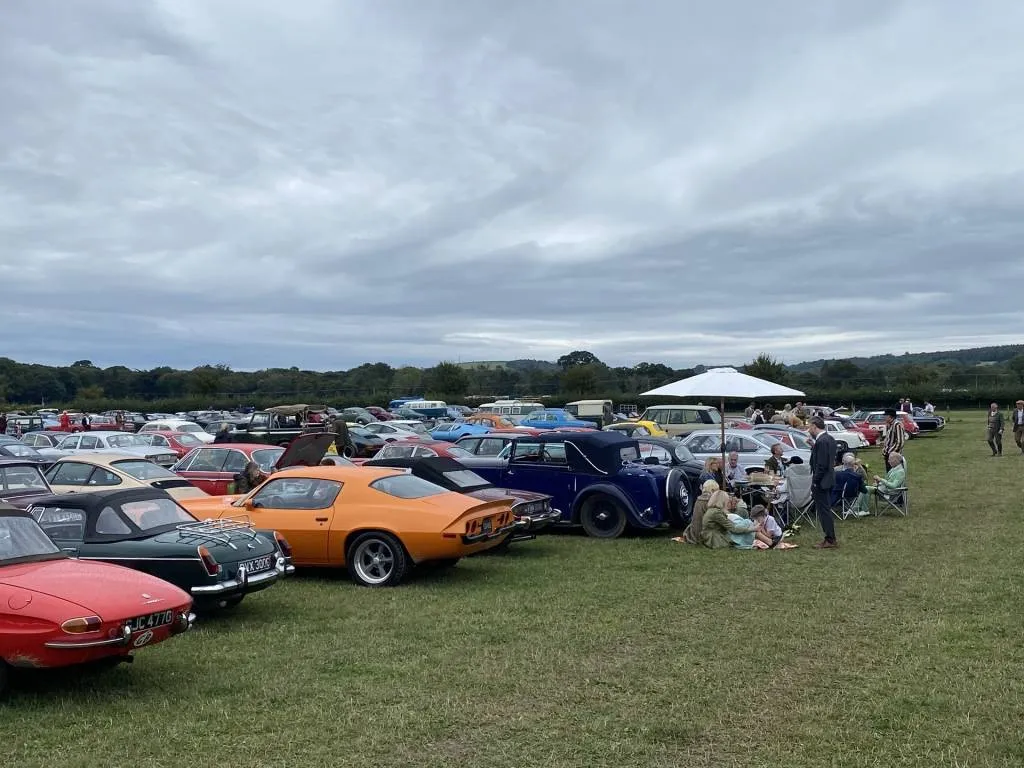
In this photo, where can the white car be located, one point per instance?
(389, 431)
(845, 438)
(177, 425)
(110, 442)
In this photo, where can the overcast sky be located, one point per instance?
(321, 183)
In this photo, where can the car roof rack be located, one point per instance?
(221, 530)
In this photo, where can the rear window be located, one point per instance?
(266, 458)
(143, 470)
(406, 487)
(155, 513)
(465, 478)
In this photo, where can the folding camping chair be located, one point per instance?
(894, 499)
(847, 499)
(798, 485)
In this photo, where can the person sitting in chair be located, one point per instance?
(712, 471)
(849, 476)
(775, 463)
(894, 479)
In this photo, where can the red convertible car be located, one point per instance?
(56, 611)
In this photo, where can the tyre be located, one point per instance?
(677, 495)
(233, 602)
(603, 517)
(348, 451)
(376, 559)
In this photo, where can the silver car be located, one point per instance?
(110, 442)
(753, 447)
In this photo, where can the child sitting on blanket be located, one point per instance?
(768, 530)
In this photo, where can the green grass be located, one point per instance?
(902, 648)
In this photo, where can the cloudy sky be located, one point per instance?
(324, 182)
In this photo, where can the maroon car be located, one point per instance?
(213, 467)
(533, 511)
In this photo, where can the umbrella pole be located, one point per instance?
(722, 424)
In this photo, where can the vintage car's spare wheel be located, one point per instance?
(678, 498)
(348, 451)
(376, 559)
(603, 517)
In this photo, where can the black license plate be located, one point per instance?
(258, 564)
(152, 621)
(486, 526)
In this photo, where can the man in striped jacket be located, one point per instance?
(895, 435)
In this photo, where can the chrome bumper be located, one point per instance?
(182, 623)
(531, 522)
(497, 533)
(245, 582)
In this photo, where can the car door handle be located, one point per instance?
(321, 519)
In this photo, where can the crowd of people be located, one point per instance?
(722, 517)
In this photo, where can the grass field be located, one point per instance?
(902, 648)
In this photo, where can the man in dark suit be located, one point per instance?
(823, 478)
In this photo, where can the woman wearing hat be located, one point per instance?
(1018, 424)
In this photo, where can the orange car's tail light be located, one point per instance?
(209, 563)
(83, 625)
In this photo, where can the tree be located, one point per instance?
(581, 379)
(767, 368)
(1016, 365)
(446, 378)
(839, 372)
(579, 357)
(407, 381)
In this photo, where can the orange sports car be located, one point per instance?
(377, 522)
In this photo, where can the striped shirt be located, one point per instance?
(895, 438)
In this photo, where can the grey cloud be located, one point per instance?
(324, 183)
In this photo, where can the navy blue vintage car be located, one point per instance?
(597, 479)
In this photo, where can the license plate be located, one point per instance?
(152, 621)
(258, 564)
(486, 526)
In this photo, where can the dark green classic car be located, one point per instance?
(218, 562)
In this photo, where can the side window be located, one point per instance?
(676, 416)
(650, 449)
(69, 473)
(469, 445)
(104, 477)
(705, 444)
(158, 440)
(297, 493)
(260, 421)
(490, 446)
(183, 465)
(748, 446)
(235, 462)
(89, 442)
(526, 451)
(68, 443)
(110, 524)
(208, 460)
(64, 525)
(553, 453)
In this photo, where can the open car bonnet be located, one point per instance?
(306, 450)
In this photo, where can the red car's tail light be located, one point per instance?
(83, 625)
(283, 545)
(209, 563)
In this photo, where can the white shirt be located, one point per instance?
(929, 408)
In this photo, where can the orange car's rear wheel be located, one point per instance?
(376, 559)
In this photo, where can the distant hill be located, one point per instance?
(513, 365)
(961, 357)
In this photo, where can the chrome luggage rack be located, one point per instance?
(221, 530)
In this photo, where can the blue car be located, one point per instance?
(554, 418)
(597, 479)
(453, 430)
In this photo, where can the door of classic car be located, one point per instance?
(302, 509)
(541, 467)
(213, 469)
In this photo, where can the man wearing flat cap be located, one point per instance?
(1017, 417)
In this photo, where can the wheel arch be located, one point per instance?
(605, 489)
(356, 532)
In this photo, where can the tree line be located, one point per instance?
(578, 375)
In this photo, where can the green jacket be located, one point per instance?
(995, 422)
(717, 524)
(896, 478)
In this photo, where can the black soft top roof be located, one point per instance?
(429, 468)
(94, 501)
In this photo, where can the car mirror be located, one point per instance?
(651, 460)
(249, 504)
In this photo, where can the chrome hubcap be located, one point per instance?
(374, 561)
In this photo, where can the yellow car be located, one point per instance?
(102, 471)
(637, 429)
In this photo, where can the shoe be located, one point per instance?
(861, 513)
(827, 545)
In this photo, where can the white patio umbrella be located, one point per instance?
(723, 383)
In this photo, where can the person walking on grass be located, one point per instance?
(995, 429)
(1018, 424)
(823, 479)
